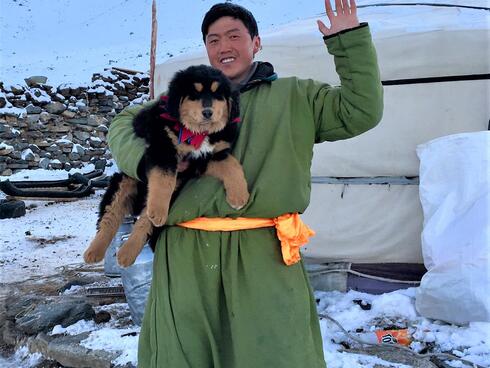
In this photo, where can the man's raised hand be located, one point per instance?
(345, 17)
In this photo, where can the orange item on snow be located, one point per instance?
(401, 337)
(291, 230)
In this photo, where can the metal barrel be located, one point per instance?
(136, 280)
(111, 267)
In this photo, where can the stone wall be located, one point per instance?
(66, 126)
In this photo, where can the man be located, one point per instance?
(240, 298)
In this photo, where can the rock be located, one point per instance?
(81, 121)
(7, 172)
(45, 316)
(44, 163)
(27, 155)
(64, 90)
(33, 118)
(16, 305)
(12, 208)
(10, 335)
(78, 149)
(74, 156)
(31, 109)
(69, 114)
(3, 101)
(102, 128)
(96, 120)
(59, 128)
(67, 351)
(17, 89)
(55, 107)
(53, 148)
(34, 148)
(83, 136)
(44, 117)
(56, 164)
(36, 79)
(95, 142)
(19, 165)
(100, 164)
(67, 166)
(102, 317)
(16, 155)
(5, 149)
(59, 97)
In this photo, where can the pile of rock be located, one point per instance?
(64, 127)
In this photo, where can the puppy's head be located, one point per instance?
(201, 98)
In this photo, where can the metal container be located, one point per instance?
(136, 280)
(111, 267)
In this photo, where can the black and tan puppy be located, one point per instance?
(195, 124)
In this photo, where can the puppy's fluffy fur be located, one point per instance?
(197, 124)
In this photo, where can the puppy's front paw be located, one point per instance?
(237, 199)
(157, 214)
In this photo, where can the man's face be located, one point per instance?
(230, 47)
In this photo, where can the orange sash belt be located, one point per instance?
(291, 231)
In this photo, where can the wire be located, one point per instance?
(378, 278)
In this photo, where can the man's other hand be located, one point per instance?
(345, 17)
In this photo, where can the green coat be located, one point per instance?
(226, 299)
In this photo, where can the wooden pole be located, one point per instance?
(154, 28)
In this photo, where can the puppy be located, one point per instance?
(195, 126)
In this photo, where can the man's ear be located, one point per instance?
(257, 44)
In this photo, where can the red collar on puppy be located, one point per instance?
(184, 134)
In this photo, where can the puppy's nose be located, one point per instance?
(207, 113)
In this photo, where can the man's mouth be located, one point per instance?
(227, 60)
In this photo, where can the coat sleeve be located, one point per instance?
(357, 104)
(126, 148)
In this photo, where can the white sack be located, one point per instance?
(455, 197)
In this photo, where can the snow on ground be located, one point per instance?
(50, 235)
(22, 257)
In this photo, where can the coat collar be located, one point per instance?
(264, 73)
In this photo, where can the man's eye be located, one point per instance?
(234, 37)
(212, 42)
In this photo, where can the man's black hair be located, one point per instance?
(220, 10)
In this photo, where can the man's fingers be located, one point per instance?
(328, 9)
(353, 7)
(322, 28)
(338, 7)
(345, 6)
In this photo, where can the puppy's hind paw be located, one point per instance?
(125, 258)
(93, 256)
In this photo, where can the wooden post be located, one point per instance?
(154, 28)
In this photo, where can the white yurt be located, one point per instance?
(434, 59)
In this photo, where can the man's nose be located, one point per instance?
(225, 45)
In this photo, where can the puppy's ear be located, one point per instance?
(234, 105)
(175, 93)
